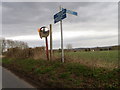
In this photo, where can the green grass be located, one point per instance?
(70, 75)
(97, 55)
(81, 69)
(106, 59)
(65, 75)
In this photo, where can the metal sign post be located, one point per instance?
(62, 54)
(59, 17)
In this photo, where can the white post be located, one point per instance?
(62, 55)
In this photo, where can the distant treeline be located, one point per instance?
(92, 49)
(98, 48)
(39, 52)
(7, 44)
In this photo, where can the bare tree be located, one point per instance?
(22, 45)
(1, 50)
(2, 45)
(6, 44)
(69, 46)
(10, 44)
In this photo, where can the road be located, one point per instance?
(10, 80)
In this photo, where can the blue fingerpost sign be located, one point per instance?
(71, 12)
(60, 16)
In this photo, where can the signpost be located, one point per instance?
(44, 32)
(62, 54)
(59, 17)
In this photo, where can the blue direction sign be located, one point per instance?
(60, 15)
(71, 12)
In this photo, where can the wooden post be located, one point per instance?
(51, 51)
(47, 53)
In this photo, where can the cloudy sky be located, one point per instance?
(95, 25)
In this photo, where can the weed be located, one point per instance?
(65, 75)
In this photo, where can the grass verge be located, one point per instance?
(63, 75)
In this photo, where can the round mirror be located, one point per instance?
(44, 29)
(43, 32)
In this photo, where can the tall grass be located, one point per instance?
(62, 75)
(107, 59)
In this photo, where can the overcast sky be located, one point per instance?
(95, 25)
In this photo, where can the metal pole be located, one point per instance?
(47, 54)
(51, 51)
(62, 54)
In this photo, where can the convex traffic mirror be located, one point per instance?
(43, 32)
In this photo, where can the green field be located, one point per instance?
(106, 59)
(95, 69)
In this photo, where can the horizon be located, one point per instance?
(65, 47)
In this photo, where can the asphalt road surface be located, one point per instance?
(10, 80)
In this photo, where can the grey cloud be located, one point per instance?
(32, 12)
(23, 18)
(79, 42)
(90, 38)
(26, 13)
(96, 13)
(35, 43)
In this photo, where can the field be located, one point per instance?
(80, 70)
(106, 59)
